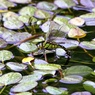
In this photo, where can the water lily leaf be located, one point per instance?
(55, 90)
(72, 79)
(10, 78)
(24, 86)
(22, 93)
(13, 24)
(5, 55)
(93, 59)
(27, 47)
(21, 1)
(89, 86)
(31, 77)
(40, 61)
(3, 43)
(81, 93)
(4, 4)
(64, 3)
(78, 70)
(60, 52)
(76, 33)
(42, 14)
(17, 37)
(77, 21)
(28, 10)
(47, 66)
(87, 45)
(16, 66)
(46, 6)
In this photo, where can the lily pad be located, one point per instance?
(78, 70)
(3, 43)
(10, 78)
(47, 66)
(16, 66)
(60, 52)
(21, 1)
(31, 77)
(28, 10)
(27, 47)
(46, 6)
(24, 86)
(2, 66)
(64, 3)
(56, 91)
(87, 45)
(42, 14)
(5, 55)
(89, 86)
(72, 79)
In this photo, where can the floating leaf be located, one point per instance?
(93, 59)
(3, 43)
(24, 86)
(5, 55)
(81, 93)
(47, 66)
(72, 79)
(87, 45)
(55, 90)
(27, 47)
(28, 10)
(21, 1)
(89, 86)
(46, 6)
(10, 78)
(76, 33)
(40, 61)
(2, 66)
(78, 70)
(42, 14)
(16, 66)
(64, 3)
(31, 77)
(77, 21)
(60, 52)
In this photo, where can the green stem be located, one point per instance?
(2, 89)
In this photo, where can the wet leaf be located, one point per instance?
(22, 93)
(72, 79)
(24, 86)
(27, 47)
(46, 6)
(55, 90)
(64, 3)
(10, 78)
(28, 10)
(3, 43)
(89, 86)
(47, 66)
(78, 70)
(31, 77)
(42, 14)
(2, 66)
(5, 55)
(60, 52)
(16, 66)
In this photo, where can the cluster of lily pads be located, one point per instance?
(20, 29)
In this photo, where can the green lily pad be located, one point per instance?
(24, 86)
(72, 79)
(47, 66)
(78, 70)
(31, 77)
(27, 47)
(64, 3)
(46, 6)
(56, 91)
(89, 86)
(16, 66)
(10, 78)
(3, 43)
(5, 55)
(87, 45)
(28, 10)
